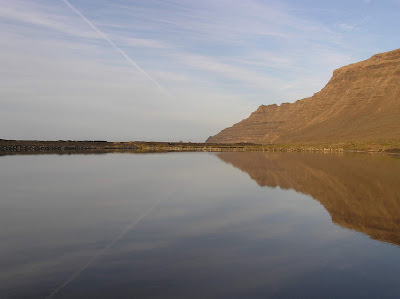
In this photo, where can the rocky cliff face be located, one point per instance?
(360, 103)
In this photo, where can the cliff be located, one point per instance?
(360, 103)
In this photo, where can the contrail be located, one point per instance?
(130, 226)
(118, 49)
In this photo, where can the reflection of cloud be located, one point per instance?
(219, 229)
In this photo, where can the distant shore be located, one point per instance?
(99, 146)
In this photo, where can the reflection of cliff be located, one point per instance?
(361, 192)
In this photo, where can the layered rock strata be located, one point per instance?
(360, 103)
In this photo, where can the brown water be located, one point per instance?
(199, 225)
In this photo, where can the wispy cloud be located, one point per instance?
(219, 59)
(50, 17)
(345, 26)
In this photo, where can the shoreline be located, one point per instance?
(98, 146)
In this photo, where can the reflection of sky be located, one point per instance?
(214, 232)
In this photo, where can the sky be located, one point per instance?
(170, 70)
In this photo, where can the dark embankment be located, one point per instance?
(12, 147)
(23, 147)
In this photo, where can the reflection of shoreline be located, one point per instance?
(361, 192)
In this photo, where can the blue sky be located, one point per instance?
(200, 65)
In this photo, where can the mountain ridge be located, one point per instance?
(360, 102)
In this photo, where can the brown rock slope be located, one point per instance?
(361, 102)
(360, 192)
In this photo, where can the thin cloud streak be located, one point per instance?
(118, 49)
(221, 60)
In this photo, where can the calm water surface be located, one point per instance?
(199, 225)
